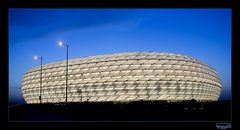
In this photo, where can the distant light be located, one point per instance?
(60, 43)
(35, 57)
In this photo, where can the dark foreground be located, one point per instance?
(132, 111)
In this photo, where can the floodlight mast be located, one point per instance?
(40, 96)
(63, 44)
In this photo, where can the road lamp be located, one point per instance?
(63, 44)
(40, 58)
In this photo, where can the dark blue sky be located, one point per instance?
(204, 34)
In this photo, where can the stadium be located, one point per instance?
(124, 77)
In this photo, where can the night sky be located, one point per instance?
(204, 34)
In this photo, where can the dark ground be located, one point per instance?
(132, 111)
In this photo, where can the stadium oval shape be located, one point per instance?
(123, 77)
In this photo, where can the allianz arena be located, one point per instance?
(123, 77)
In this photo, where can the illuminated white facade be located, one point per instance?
(124, 77)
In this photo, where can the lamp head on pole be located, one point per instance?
(61, 43)
(37, 57)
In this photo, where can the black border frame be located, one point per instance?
(233, 4)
